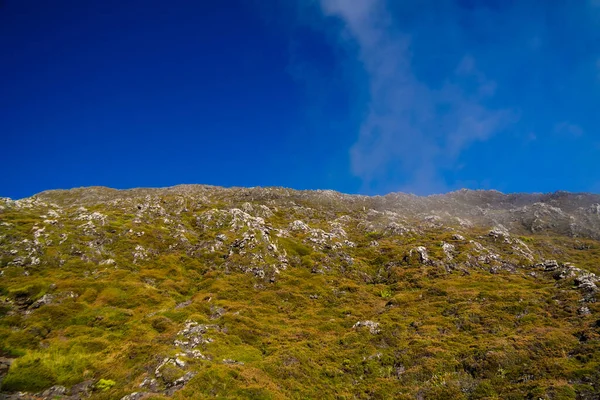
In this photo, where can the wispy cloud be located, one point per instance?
(567, 128)
(412, 130)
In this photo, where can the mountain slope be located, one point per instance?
(198, 291)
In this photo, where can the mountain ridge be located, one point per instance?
(273, 293)
(516, 210)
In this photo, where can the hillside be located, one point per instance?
(268, 293)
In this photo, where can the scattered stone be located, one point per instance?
(179, 363)
(299, 226)
(232, 362)
(550, 265)
(4, 366)
(135, 396)
(422, 251)
(140, 253)
(193, 335)
(465, 223)
(193, 354)
(150, 383)
(448, 250)
(83, 389)
(394, 228)
(217, 312)
(583, 310)
(499, 231)
(373, 326)
(587, 283)
(166, 361)
(247, 207)
(42, 301)
(179, 383)
(433, 219)
(183, 304)
(54, 391)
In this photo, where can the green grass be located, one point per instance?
(459, 332)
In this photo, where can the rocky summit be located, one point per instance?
(196, 292)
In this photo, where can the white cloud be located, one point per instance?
(567, 128)
(412, 131)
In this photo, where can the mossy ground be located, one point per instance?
(444, 333)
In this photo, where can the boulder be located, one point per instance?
(373, 326)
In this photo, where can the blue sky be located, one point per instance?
(360, 96)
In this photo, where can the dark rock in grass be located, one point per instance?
(183, 304)
(42, 301)
(217, 312)
(587, 284)
(4, 366)
(583, 310)
(82, 389)
(135, 396)
(420, 253)
(229, 361)
(499, 232)
(179, 383)
(150, 383)
(373, 326)
(53, 392)
(550, 265)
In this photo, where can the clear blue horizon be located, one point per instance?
(357, 96)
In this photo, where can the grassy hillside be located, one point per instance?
(202, 292)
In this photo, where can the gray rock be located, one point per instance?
(298, 225)
(499, 231)
(42, 301)
(54, 391)
(373, 326)
(448, 250)
(134, 396)
(150, 383)
(183, 304)
(192, 335)
(179, 383)
(587, 283)
(82, 388)
(4, 365)
(550, 265)
(594, 209)
(423, 256)
(232, 362)
(583, 310)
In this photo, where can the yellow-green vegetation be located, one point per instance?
(105, 384)
(271, 286)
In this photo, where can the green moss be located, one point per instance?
(104, 384)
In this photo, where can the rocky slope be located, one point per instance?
(198, 291)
